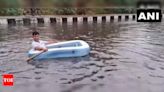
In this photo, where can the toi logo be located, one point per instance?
(8, 79)
(149, 15)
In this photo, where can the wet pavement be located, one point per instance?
(125, 56)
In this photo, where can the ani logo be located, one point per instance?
(149, 12)
(149, 15)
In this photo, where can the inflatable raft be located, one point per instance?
(74, 48)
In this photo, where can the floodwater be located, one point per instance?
(124, 57)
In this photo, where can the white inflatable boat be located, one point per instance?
(74, 48)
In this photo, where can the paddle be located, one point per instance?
(34, 56)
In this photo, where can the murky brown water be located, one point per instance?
(125, 57)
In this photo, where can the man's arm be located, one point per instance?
(40, 49)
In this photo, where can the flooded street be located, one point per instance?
(124, 57)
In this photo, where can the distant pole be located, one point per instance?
(32, 12)
(32, 7)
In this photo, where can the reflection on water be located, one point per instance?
(124, 57)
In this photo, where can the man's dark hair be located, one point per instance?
(35, 33)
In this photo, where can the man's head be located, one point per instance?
(35, 36)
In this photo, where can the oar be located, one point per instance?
(34, 56)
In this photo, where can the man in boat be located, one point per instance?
(38, 44)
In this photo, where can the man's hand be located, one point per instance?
(45, 49)
(41, 49)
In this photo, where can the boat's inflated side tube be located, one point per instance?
(74, 48)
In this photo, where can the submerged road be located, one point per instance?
(124, 57)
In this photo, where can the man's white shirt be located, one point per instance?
(40, 44)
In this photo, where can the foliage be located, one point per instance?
(64, 7)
